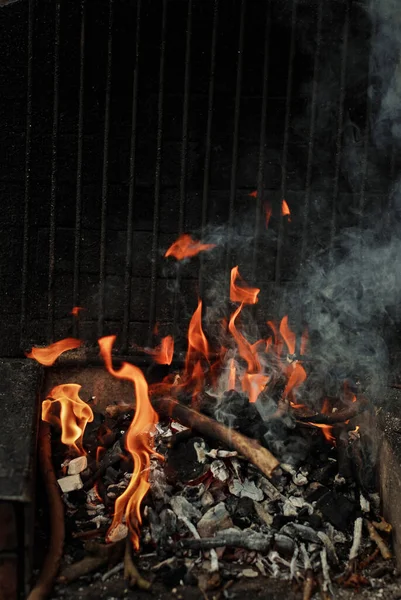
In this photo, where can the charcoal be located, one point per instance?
(262, 510)
(237, 412)
(300, 532)
(324, 474)
(207, 500)
(283, 544)
(111, 476)
(215, 519)
(168, 522)
(183, 462)
(245, 513)
(172, 576)
(337, 509)
(219, 470)
(183, 508)
(245, 489)
(156, 527)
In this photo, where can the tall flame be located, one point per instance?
(138, 443)
(163, 354)
(231, 375)
(287, 335)
(186, 247)
(285, 210)
(244, 294)
(197, 342)
(73, 416)
(48, 355)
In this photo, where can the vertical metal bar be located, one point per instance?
(284, 156)
(159, 142)
(237, 108)
(308, 178)
(262, 139)
(105, 175)
(53, 182)
(184, 151)
(208, 139)
(132, 186)
(27, 190)
(340, 123)
(78, 200)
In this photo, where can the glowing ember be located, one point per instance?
(76, 310)
(138, 444)
(253, 194)
(163, 354)
(186, 247)
(73, 415)
(285, 210)
(48, 355)
(244, 294)
(268, 213)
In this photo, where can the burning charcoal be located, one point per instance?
(336, 509)
(301, 532)
(183, 508)
(184, 462)
(77, 465)
(246, 489)
(219, 470)
(70, 483)
(215, 519)
(244, 514)
(111, 476)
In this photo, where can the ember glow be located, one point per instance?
(76, 310)
(285, 210)
(186, 247)
(138, 444)
(65, 409)
(47, 356)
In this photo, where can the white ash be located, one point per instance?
(118, 533)
(100, 520)
(215, 453)
(201, 452)
(77, 465)
(183, 508)
(247, 489)
(357, 538)
(219, 470)
(207, 499)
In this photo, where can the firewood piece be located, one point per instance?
(339, 416)
(131, 573)
(248, 539)
(382, 525)
(54, 555)
(309, 584)
(378, 540)
(112, 456)
(250, 449)
(99, 555)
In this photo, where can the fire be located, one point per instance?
(138, 443)
(73, 416)
(327, 431)
(197, 342)
(163, 354)
(287, 335)
(268, 213)
(186, 247)
(296, 378)
(285, 210)
(253, 384)
(48, 355)
(253, 194)
(231, 375)
(76, 310)
(244, 294)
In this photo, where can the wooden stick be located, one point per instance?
(98, 556)
(339, 416)
(131, 573)
(250, 449)
(54, 554)
(378, 540)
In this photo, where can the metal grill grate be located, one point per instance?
(128, 123)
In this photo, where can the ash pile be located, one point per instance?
(211, 518)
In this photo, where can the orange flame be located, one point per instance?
(73, 417)
(287, 335)
(163, 354)
(47, 356)
(76, 310)
(138, 443)
(268, 212)
(253, 194)
(185, 247)
(285, 210)
(296, 378)
(197, 342)
(246, 295)
(327, 431)
(231, 375)
(253, 384)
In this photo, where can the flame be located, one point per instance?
(185, 247)
(197, 342)
(246, 295)
(76, 310)
(287, 335)
(327, 431)
(253, 384)
(296, 378)
(253, 194)
(73, 417)
(285, 210)
(163, 354)
(47, 356)
(231, 375)
(138, 443)
(268, 213)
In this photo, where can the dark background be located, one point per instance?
(80, 225)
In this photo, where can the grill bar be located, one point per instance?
(284, 156)
(308, 177)
(53, 182)
(262, 139)
(27, 175)
(132, 186)
(237, 110)
(340, 123)
(208, 138)
(184, 152)
(105, 174)
(78, 199)
(156, 204)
